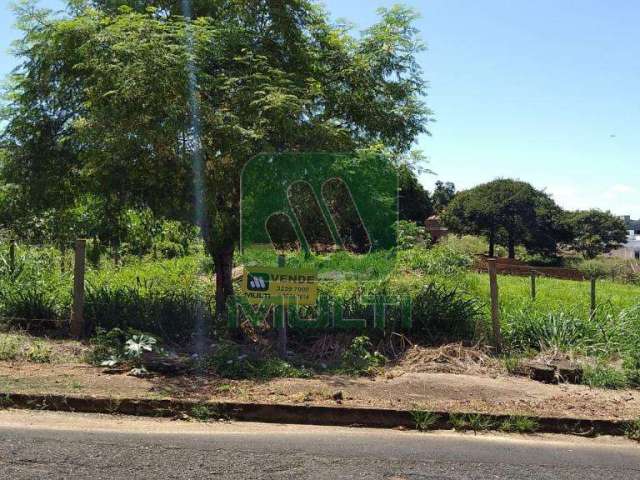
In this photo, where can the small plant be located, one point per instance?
(472, 421)
(518, 424)
(632, 431)
(411, 234)
(424, 420)
(6, 401)
(39, 352)
(604, 376)
(10, 346)
(358, 359)
(203, 412)
(511, 364)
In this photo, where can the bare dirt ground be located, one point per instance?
(485, 392)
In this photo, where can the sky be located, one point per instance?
(547, 92)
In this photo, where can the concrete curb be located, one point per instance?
(293, 414)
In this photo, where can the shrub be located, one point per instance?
(229, 361)
(172, 315)
(39, 352)
(527, 328)
(358, 358)
(442, 314)
(517, 424)
(411, 234)
(439, 260)
(601, 375)
(472, 421)
(10, 346)
(424, 420)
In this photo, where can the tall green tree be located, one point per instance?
(595, 232)
(132, 105)
(414, 201)
(442, 195)
(510, 213)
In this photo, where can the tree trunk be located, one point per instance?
(223, 261)
(512, 248)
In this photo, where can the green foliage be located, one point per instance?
(358, 358)
(414, 202)
(10, 346)
(511, 363)
(441, 314)
(442, 196)
(595, 232)
(229, 361)
(411, 234)
(273, 77)
(518, 424)
(205, 412)
(602, 375)
(116, 346)
(440, 260)
(424, 420)
(531, 329)
(472, 421)
(509, 213)
(632, 431)
(39, 352)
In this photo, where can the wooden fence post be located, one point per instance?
(77, 312)
(282, 330)
(533, 284)
(495, 305)
(593, 295)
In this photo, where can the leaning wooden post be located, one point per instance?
(533, 284)
(593, 295)
(282, 329)
(77, 312)
(495, 305)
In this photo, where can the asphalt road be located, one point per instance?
(46, 445)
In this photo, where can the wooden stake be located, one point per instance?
(77, 312)
(593, 296)
(533, 284)
(495, 305)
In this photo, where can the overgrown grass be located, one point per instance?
(602, 375)
(517, 424)
(472, 421)
(18, 346)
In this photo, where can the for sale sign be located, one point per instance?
(280, 285)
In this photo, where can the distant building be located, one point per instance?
(435, 228)
(631, 249)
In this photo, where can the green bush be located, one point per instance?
(411, 234)
(359, 359)
(172, 315)
(441, 314)
(229, 361)
(439, 260)
(527, 328)
(602, 375)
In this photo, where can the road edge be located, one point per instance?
(285, 413)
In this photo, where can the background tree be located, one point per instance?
(442, 195)
(153, 110)
(414, 201)
(509, 213)
(595, 232)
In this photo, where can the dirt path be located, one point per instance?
(423, 390)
